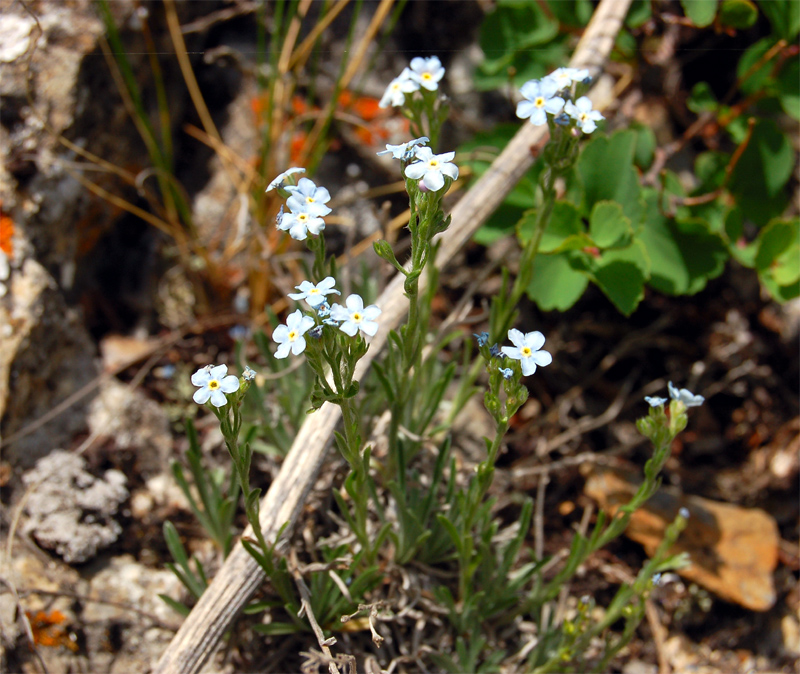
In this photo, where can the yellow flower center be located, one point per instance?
(213, 384)
(539, 102)
(433, 163)
(357, 317)
(309, 200)
(526, 351)
(302, 216)
(427, 76)
(292, 335)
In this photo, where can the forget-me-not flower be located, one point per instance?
(654, 401)
(306, 196)
(404, 151)
(214, 383)
(299, 223)
(528, 350)
(685, 396)
(482, 338)
(507, 372)
(281, 178)
(427, 72)
(355, 316)
(564, 77)
(581, 111)
(432, 168)
(540, 98)
(289, 337)
(315, 294)
(395, 94)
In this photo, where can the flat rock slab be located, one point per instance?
(734, 550)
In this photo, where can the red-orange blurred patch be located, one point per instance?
(48, 630)
(6, 232)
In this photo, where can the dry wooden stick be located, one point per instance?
(240, 576)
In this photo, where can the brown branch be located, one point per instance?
(241, 575)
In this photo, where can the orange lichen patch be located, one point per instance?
(364, 107)
(298, 145)
(48, 630)
(6, 232)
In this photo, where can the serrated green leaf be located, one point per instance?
(608, 226)
(700, 12)
(556, 285)
(739, 14)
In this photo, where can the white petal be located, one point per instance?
(542, 358)
(434, 180)
(283, 350)
(354, 303)
(299, 345)
(202, 395)
(229, 384)
(280, 334)
(528, 366)
(516, 337)
(201, 377)
(218, 372)
(349, 328)
(369, 328)
(218, 399)
(534, 340)
(417, 170)
(511, 352)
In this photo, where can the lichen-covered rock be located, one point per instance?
(71, 511)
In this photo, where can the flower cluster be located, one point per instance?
(214, 382)
(430, 169)
(553, 94)
(527, 350)
(351, 318)
(424, 73)
(306, 204)
(683, 395)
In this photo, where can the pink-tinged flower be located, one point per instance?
(431, 168)
(356, 317)
(289, 337)
(214, 384)
(528, 350)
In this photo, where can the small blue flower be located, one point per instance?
(249, 373)
(316, 331)
(315, 294)
(684, 512)
(494, 351)
(685, 396)
(331, 321)
(507, 372)
(482, 338)
(563, 119)
(655, 401)
(324, 310)
(213, 382)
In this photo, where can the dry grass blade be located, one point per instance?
(240, 576)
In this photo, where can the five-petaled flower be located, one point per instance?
(564, 77)
(654, 401)
(404, 151)
(356, 317)
(395, 94)
(281, 178)
(315, 294)
(528, 350)
(581, 111)
(290, 336)
(214, 384)
(299, 223)
(685, 396)
(540, 98)
(307, 197)
(432, 168)
(427, 72)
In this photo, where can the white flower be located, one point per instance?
(432, 168)
(306, 196)
(540, 98)
(685, 396)
(214, 385)
(563, 78)
(395, 94)
(356, 317)
(290, 336)
(299, 223)
(279, 180)
(581, 111)
(427, 72)
(404, 151)
(315, 294)
(527, 350)
(655, 401)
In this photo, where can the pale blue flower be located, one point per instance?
(249, 373)
(655, 401)
(214, 383)
(289, 337)
(299, 223)
(540, 98)
(427, 72)
(315, 294)
(281, 178)
(528, 350)
(307, 197)
(356, 317)
(564, 78)
(395, 94)
(581, 111)
(482, 338)
(507, 372)
(685, 396)
(404, 151)
(431, 168)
